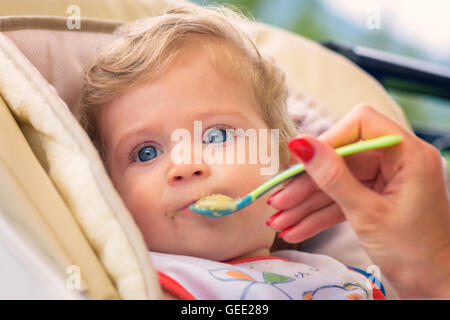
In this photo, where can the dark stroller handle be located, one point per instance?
(402, 73)
(397, 72)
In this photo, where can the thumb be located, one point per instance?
(330, 173)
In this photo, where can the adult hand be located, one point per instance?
(394, 199)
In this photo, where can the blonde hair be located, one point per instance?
(141, 50)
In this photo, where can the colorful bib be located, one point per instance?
(288, 274)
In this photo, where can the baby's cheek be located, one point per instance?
(244, 179)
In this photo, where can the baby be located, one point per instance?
(193, 70)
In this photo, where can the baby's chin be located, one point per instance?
(222, 239)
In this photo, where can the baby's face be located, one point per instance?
(137, 130)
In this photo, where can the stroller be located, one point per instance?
(64, 231)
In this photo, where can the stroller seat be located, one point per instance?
(58, 207)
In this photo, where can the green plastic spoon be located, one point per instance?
(218, 205)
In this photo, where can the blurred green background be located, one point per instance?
(412, 28)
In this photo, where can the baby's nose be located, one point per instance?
(187, 172)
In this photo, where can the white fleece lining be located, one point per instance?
(76, 171)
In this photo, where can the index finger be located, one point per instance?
(363, 122)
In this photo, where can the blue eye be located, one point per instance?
(148, 153)
(217, 136)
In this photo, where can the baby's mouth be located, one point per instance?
(187, 205)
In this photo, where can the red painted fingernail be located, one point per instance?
(270, 220)
(283, 232)
(269, 199)
(302, 148)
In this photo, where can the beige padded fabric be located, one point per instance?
(59, 57)
(28, 196)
